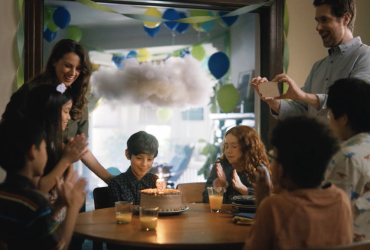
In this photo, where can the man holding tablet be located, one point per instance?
(348, 57)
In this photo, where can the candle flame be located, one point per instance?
(160, 175)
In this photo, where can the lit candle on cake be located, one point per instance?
(160, 184)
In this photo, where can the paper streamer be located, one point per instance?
(20, 45)
(194, 19)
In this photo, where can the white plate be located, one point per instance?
(168, 212)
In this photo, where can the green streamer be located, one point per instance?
(20, 45)
(286, 55)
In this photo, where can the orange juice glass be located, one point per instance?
(148, 218)
(215, 195)
(123, 211)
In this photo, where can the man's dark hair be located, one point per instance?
(142, 143)
(339, 7)
(351, 96)
(304, 147)
(17, 136)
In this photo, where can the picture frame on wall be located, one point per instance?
(246, 92)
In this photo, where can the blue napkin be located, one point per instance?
(245, 215)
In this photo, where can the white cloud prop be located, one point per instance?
(178, 83)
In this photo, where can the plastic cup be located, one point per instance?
(215, 195)
(148, 218)
(123, 211)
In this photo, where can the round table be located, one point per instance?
(196, 228)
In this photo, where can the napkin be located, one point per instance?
(243, 218)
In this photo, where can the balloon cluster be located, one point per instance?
(59, 18)
(153, 28)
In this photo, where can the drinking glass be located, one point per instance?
(215, 195)
(123, 211)
(148, 218)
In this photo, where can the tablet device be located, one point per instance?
(269, 89)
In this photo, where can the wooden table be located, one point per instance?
(196, 228)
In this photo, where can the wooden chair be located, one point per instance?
(363, 245)
(101, 197)
(192, 192)
(101, 200)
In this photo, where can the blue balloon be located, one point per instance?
(131, 54)
(61, 17)
(182, 27)
(49, 36)
(218, 64)
(171, 14)
(228, 21)
(118, 60)
(152, 31)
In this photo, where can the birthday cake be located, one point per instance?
(166, 201)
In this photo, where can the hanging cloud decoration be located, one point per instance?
(177, 83)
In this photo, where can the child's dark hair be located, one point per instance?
(44, 106)
(17, 136)
(142, 143)
(304, 147)
(351, 96)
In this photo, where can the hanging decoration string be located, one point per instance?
(193, 19)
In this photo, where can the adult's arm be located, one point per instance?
(16, 107)
(93, 164)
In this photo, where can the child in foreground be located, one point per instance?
(349, 111)
(26, 217)
(303, 214)
(141, 150)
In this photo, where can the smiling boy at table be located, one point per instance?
(26, 217)
(303, 214)
(141, 150)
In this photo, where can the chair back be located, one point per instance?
(101, 197)
(362, 245)
(192, 192)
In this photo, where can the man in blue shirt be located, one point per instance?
(348, 57)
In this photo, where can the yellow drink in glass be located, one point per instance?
(124, 218)
(148, 223)
(215, 202)
(215, 195)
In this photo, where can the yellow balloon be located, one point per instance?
(143, 55)
(152, 12)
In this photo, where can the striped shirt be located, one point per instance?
(26, 217)
(126, 187)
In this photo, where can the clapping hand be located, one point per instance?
(71, 191)
(75, 148)
(221, 175)
(261, 186)
(238, 185)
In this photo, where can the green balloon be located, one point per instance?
(227, 98)
(74, 33)
(164, 114)
(46, 16)
(51, 25)
(198, 52)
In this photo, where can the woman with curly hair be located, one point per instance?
(68, 63)
(242, 151)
